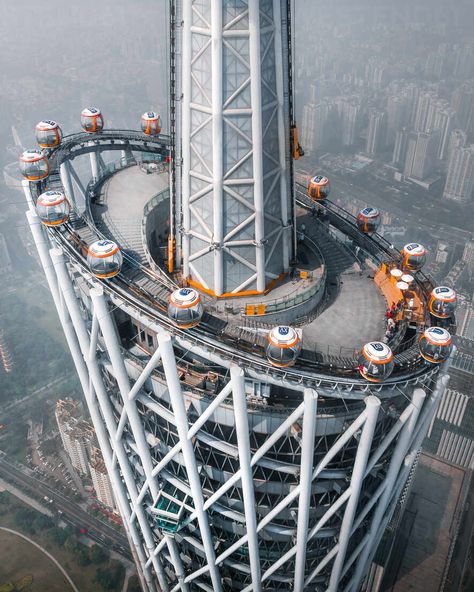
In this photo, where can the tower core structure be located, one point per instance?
(236, 210)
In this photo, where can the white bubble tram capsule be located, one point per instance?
(442, 303)
(284, 346)
(34, 165)
(151, 123)
(104, 259)
(376, 361)
(413, 256)
(368, 220)
(318, 188)
(435, 345)
(48, 134)
(185, 308)
(52, 208)
(92, 120)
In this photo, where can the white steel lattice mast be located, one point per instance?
(236, 195)
(244, 453)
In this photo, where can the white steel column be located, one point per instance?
(257, 141)
(271, 440)
(186, 127)
(217, 144)
(67, 290)
(94, 164)
(105, 446)
(177, 403)
(344, 438)
(395, 463)
(243, 441)
(42, 246)
(71, 338)
(66, 182)
(306, 474)
(76, 179)
(177, 563)
(417, 438)
(110, 337)
(282, 131)
(29, 199)
(363, 451)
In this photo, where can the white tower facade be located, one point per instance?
(460, 177)
(236, 194)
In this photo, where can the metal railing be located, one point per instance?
(147, 208)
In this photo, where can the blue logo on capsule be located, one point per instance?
(378, 347)
(437, 331)
(283, 331)
(185, 291)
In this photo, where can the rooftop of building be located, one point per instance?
(421, 552)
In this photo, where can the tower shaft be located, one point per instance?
(234, 116)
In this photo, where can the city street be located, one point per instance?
(72, 512)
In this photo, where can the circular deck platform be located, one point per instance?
(118, 212)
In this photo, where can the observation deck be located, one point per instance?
(331, 296)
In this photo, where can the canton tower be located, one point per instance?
(258, 412)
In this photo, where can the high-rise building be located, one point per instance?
(349, 111)
(464, 66)
(397, 116)
(462, 102)
(457, 139)
(400, 148)
(460, 178)
(421, 119)
(6, 359)
(422, 152)
(451, 433)
(315, 117)
(444, 121)
(376, 132)
(468, 256)
(100, 479)
(76, 434)
(252, 441)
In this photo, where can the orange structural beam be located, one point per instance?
(201, 288)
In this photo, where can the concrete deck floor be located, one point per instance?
(356, 317)
(122, 200)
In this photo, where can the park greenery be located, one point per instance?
(109, 573)
(21, 585)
